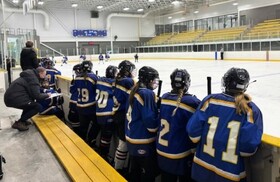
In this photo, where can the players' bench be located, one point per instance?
(79, 160)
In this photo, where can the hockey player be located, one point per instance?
(228, 126)
(73, 116)
(101, 58)
(64, 60)
(85, 84)
(141, 126)
(51, 105)
(107, 56)
(174, 148)
(104, 108)
(82, 58)
(51, 72)
(124, 82)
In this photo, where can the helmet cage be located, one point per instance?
(180, 79)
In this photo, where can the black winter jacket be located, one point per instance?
(24, 89)
(28, 58)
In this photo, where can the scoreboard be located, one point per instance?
(89, 33)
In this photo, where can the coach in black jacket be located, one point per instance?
(23, 93)
(28, 57)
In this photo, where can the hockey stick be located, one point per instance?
(209, 90)
(158, 93)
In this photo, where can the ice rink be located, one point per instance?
(265, 92)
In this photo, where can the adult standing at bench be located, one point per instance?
(28, 57)
(23, 93)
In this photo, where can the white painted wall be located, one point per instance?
(125, 28)
(147, 26)
(62, 22)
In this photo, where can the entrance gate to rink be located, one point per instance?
(264, 166)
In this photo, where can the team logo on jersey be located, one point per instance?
(141, 152)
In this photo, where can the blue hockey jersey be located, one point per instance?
(51, 76)
(49, 105)
(224, 137)
(142, 123)
(173, 143)
(121, 93)
(86, 88)
(104, 98)
(73, 98)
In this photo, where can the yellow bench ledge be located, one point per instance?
(79, 160)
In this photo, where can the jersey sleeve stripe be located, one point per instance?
(153, 130)
(86, 105)
(195, 139)
(139, 99)
(174, 103)
(140, 141)
(250, 117)
(217, 102)
(105, 113)
(104, 84)
(87, 78)
(122, 88)
(175, 156)
(47, 110)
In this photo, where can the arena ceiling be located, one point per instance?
(117, 6)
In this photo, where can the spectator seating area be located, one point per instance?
(264, 30)
(223, 34)
(185, 37)
(160, 39)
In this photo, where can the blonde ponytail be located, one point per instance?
(181, 93)
(241, 103)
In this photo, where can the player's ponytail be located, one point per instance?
(241, 103)
(132, 93)
(180, 95)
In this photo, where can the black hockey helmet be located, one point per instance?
(146, 75)
(111, 71)
(126, 68)
(235, 81)
(180, 79)
(47, 63)
(86, 66)
(77, 68)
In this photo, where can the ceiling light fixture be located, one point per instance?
(140, 10)
(99, 7)
(235, 4)
(125, 9)
(40, 2)
(170, 17)
(15, 1)
(175, 2)
(74, 5)
(151, 1)
(196, 11)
